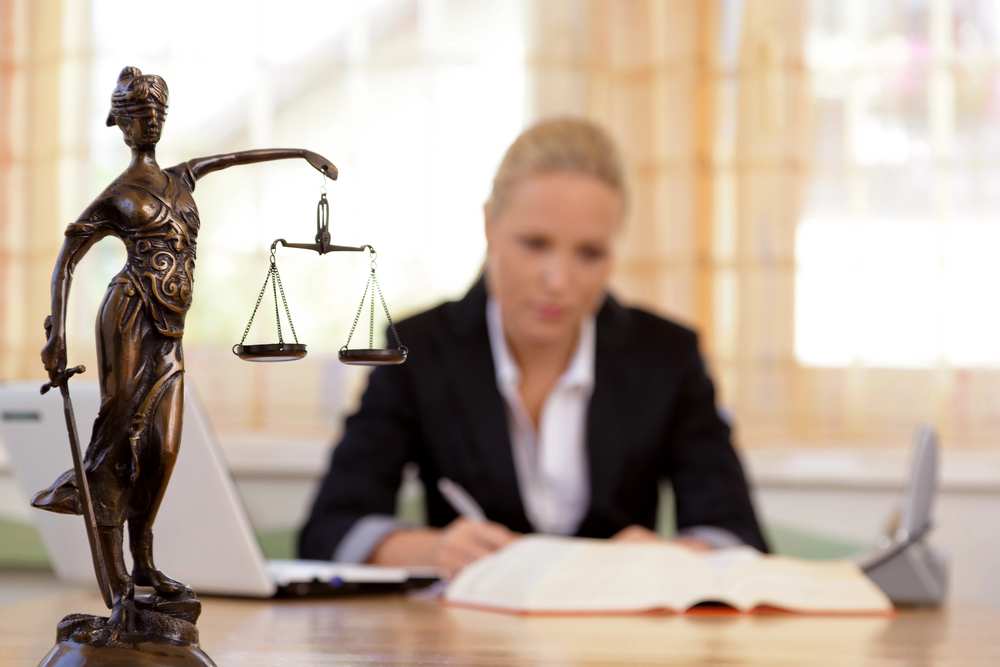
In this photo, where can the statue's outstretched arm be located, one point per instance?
(201, 166)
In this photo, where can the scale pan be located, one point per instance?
(373, 357)
(270, 352)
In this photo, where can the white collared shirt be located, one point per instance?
(551, 461)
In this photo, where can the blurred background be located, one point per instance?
(815, 189)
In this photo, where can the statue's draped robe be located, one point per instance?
(139, 329)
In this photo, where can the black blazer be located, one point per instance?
(652, 417)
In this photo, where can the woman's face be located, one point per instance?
(549, 254)
(143, 127)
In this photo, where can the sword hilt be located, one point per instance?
(66, 374)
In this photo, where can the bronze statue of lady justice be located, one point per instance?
(136, 436)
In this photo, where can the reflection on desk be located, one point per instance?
(396, 630)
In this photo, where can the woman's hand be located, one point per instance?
(635, 533)
(693, 543)
(54, 353)
(450, 548)
(463, 541)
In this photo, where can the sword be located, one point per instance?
(81, 483)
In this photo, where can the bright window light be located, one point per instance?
(896, 245)
(415, 102)
(896, 294)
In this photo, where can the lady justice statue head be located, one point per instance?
(139, 107)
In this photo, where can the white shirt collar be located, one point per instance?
(579, 372)
(551, 458)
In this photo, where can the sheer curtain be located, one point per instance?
(813, 191)
(812, 186)
(414, 100)
(706, 99)
(769, 168)
(639, 68)
(896, 249)
(43, 89)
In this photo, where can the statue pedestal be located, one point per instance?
(160, 639)
(66, 654)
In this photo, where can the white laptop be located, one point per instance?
(202, 535)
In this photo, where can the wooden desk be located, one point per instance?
(401, 631)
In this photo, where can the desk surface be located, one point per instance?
(405, 631)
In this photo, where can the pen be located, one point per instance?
(460, 500)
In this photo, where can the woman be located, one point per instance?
(555, 407)
(140, 323)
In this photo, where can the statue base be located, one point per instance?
(161, 638)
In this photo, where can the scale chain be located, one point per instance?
(260, 297)
(277, 313)
(275, 278)
(399, 343)
(373, 283)
(357, 316)
(281, 288)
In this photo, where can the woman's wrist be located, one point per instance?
(407, 547)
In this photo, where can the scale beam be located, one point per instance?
(322, 246)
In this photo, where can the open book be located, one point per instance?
(546, 574)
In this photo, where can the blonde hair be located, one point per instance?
(571, 145)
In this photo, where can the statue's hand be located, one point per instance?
(54, 353)
(321, 164)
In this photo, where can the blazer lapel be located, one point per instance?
(608, 420)
(470, 365)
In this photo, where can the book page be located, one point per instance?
(722, 561)
(624, 576)
(801, 585)
(548, 574)
(505, 579)
(541, 573)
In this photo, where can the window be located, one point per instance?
(896, 247)
(415, 102)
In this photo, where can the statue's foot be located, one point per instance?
(164, 585)
(123, 617)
